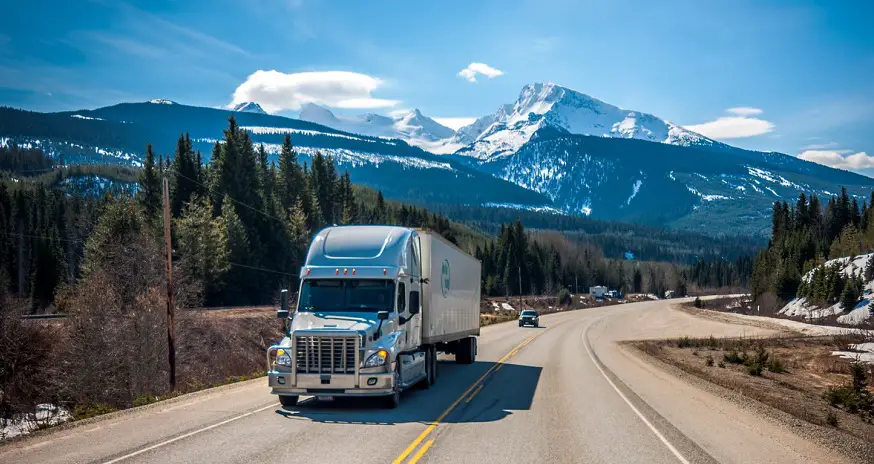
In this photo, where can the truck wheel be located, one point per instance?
(466, 351)
(288, 401)
(430, 367)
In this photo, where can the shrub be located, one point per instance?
(684, 342)
(721, 364)
(709, 360)
(831, 418)
(733, 357)
(92, 410)
(698, 303)
(776, 366)
(564, 297)
(854, 397)
(756, 364)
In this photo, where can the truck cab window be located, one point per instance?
(402, 298)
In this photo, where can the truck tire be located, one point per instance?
(466, 351)
(430, 365)
(288, 401)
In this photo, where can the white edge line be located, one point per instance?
(180, 437)
(631, 405)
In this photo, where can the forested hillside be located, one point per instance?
(805, 235)
(241, 225)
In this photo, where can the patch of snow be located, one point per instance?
(507, 307)
(536, 208)
(671, 175)
(587, 210)
(162, 101)
(79, 116)
(863, 352)
(635, 189)
(44, 415)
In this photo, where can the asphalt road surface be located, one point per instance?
(566, 392)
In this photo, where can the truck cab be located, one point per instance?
(358, 326)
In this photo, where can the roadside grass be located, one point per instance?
(795, 374)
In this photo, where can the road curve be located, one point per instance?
(566, 392)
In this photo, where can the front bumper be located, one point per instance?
(528, 321)
(330, 385)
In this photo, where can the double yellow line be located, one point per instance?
(475, 386)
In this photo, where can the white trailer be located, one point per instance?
(376, 304)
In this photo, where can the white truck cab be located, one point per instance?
(375, 305)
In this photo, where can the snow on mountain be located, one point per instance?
(249, 107)
(413, 127)
(549, 105)
(162, 101)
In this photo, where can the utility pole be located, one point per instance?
(577, 284)
(520, 288)
(171, 337)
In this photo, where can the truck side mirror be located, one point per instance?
(282, 313)
(382, 315)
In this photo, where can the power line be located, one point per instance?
(47, 237)
(261, 269)
(229, 197)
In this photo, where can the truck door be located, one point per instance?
(414, 327)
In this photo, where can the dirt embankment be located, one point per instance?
(794, 374)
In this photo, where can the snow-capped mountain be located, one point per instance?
(249, 107)
(414, 127)
(161, 101)
(552, 106)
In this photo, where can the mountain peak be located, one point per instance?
(249, 107)
(549, 105)
(162, 101)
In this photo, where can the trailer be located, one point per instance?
(376, 304)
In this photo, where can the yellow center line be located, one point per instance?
(452, 406)
(476, 392)
(421, 452)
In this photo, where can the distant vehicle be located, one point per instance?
(598, 291)
(669, 293)
(376, 304)
(529, 317)
(614, 294)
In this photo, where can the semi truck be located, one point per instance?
(376, 304)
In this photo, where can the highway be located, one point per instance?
(564, 393)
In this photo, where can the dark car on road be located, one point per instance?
(529, 317)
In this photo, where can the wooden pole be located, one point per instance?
(171, 338)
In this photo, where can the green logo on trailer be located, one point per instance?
(444, 278)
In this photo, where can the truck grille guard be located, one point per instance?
(320, 352)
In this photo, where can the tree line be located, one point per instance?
(804, 236)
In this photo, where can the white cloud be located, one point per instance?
(470, 72)
(744, 111)
(742, 124)
(455, 123)
(837, 159)
(820, 146)
(277, 91)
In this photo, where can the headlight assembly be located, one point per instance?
(376, 359)
(282, 358)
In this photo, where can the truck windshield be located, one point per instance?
(330, 295)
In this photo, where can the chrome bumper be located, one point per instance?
(330, 385)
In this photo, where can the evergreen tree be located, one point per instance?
(150, 192)
(203, 245)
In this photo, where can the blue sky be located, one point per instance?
(789, 76)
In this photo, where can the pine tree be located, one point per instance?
(292, 183)
(149, 195)
(203, 245)
(849, 297)
(184, 175)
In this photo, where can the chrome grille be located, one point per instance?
(325, 354)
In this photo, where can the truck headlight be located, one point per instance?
(282, 358)
(376, 359)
